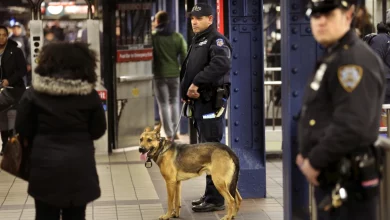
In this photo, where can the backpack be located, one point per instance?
(368, 38)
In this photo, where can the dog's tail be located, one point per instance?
(234, 182)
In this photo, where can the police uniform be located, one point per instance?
(340, 115)
(207, 66)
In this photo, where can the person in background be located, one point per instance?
(168, 46)
(12, 71)
(380, 43)
(363, 25)
(19, 36)
(61, 115)
(49, 38)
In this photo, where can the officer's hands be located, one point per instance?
(193, 92)
(5, 83)
(310, 173)
(299, 160)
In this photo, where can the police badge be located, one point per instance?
(350, 76)
(220, 42)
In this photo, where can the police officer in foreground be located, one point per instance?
(340, 113)
(205, 86)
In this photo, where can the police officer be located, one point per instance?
(341, 106)
(205, 84)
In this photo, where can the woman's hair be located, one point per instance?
(365, 19)
(68, 61)
(2, 27)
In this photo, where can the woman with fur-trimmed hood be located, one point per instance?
(62, 114)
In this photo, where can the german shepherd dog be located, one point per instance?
(178, 162)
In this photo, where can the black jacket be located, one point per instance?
(14, 68)
(381, 45)
(62, 117)
(208, 61)
(342, 108)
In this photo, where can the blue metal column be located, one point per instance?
(299, 52)
(247, 94)
(183, 30)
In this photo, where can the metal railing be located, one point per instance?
(270, 98)
(384, 195)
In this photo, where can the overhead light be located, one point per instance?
(55, 10)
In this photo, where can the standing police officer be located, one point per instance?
(341, 107)
(205, 85)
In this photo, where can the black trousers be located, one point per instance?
(45, 211)
(350, 210)
(211, 130)
(6, 100)
(5, 135)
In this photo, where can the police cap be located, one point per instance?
(200, 10)
(324, 6)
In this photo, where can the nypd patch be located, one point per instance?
(350, 76)
(220, 42)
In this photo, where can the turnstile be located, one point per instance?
(134, 72)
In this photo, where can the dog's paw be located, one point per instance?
(163, 217)
(174, 216)
(226, 218)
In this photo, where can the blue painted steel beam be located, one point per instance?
(299, 54)
(183, 30)
(246, 116)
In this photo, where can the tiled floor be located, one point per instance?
(130, 191)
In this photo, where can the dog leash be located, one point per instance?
(183, 108)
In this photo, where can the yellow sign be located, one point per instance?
(135, 92)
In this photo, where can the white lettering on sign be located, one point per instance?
(103, 95)
(134, 55)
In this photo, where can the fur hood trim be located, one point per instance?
(60, 86)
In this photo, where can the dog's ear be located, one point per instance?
(148, 129)
(158, 128)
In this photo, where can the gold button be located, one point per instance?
(346, 47)
(312, 122)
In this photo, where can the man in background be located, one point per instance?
(168, 46)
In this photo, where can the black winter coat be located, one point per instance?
(14, 68)
(342, 104)
(62, 117)
(208, 62)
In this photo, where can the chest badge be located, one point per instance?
(203, 42)
(350, 76)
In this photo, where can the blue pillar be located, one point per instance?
(246, 119)
(183, 30)
(299, 53)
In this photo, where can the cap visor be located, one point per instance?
(197, 14)
(322, 10)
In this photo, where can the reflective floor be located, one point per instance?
(131, 191)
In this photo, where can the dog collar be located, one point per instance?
(161, 150)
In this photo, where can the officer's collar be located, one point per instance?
(348, 39)
(204, 33)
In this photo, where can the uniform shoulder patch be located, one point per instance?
(350, 76)
(220, 42)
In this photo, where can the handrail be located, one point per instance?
(90, 14)
(36, 9)
(272, 83)
(273, 69)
